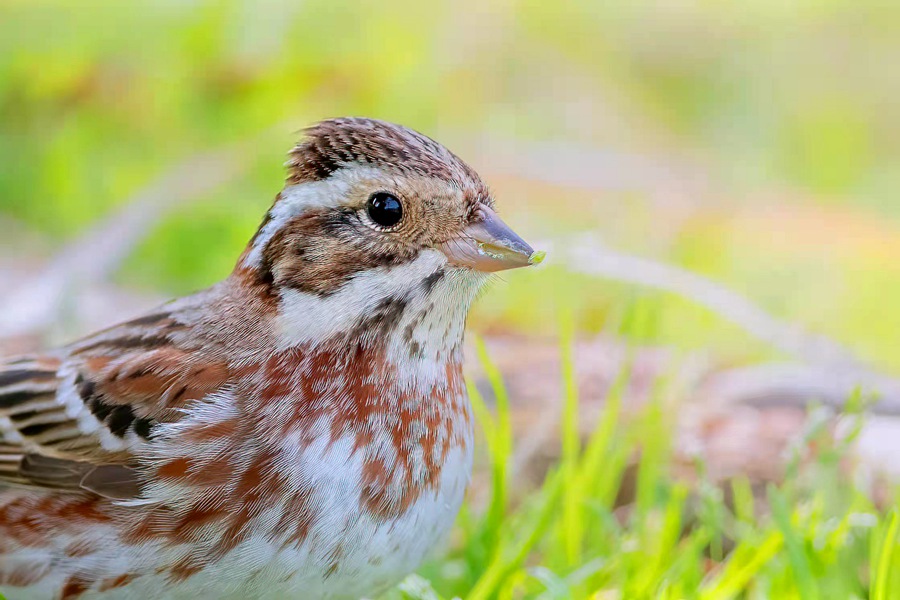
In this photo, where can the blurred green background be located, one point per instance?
(757, 143)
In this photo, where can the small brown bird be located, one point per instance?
(300, 429)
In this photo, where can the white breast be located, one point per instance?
(348, 554)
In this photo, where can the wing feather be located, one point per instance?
(79, 419)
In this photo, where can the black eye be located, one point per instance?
(384, 209)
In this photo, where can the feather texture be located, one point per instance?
(300, 428)
(78, 420)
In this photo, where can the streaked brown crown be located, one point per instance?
(337, 143)
(322, 246)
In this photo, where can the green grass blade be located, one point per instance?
(573, 502)
(745, 563)
(802, 571)
(882, 578)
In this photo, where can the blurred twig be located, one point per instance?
(590, 256)
(795, 384)
(95, 255)
(827, 372)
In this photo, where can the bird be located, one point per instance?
(298, 429)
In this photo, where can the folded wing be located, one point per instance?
(79, 420)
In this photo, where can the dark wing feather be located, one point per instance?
(77, 421)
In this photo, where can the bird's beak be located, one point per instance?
(488, 244)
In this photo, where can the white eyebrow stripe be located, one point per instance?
(295, 200)
(300, 198)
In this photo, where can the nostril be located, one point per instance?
(479, 213)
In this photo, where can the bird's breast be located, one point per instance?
(322, 470)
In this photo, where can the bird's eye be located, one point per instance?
(384, 209)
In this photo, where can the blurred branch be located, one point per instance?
(828, 372)
(96, 254)
(783, 384)
(590, 256)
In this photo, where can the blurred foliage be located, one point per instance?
(785, 112)
(610, 521)
(773, 131)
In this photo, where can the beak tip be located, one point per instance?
(537, 257)
(489, 245)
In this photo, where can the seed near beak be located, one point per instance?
(489, 245)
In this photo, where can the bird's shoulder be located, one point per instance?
(79, 417)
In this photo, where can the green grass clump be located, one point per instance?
(815, 536)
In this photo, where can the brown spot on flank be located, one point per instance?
(80, 548)
(24, 575)
(298, 516)
(74, 587)
(332, 569)
(214, 472)
(174, 469)
(34, 521)
(116, 582)
(87, 510)
(212, 431)
(149, 527)
(192, 523)
(184, 569)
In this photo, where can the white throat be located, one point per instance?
(426, 325)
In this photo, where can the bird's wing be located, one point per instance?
(77, 420)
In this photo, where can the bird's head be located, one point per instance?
(377, 224)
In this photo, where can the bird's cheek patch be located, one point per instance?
(309, 257)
